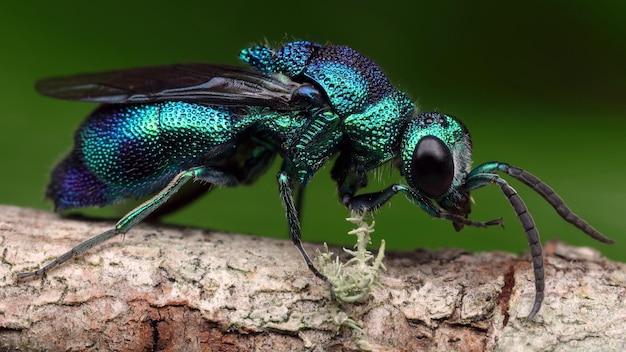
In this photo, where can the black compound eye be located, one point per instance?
(432, 166)
(307, 96)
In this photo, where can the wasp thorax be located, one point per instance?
(432, 166)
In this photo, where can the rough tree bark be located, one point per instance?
(172, 289)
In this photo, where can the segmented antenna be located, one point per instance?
(555, 201)
(485, 174)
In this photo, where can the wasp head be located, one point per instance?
(436, 156)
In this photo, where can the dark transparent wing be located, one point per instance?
(192, 82)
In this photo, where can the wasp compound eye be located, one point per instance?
(433, 167)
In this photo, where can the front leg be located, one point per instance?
(373, 201)
(349, 181)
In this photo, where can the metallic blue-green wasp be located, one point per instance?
(160, 127)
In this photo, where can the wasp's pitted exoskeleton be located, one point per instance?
(161, 127)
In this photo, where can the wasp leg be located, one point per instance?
(286, 194)
(206, 174)
(373, 201)
(349, 181)
(299, 201)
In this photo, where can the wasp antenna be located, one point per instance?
(485, 174)
(528, 223)
(555, 201)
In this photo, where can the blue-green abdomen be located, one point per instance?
(126, 151)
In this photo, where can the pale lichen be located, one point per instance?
(354, 279)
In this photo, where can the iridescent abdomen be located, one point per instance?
(126, 151)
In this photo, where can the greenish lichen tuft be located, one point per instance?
(354, 279)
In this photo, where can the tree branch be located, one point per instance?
(172, 289)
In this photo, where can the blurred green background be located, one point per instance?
(540, 85)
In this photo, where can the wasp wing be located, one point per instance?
(203, 83)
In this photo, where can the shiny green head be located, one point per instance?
(436, 152)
